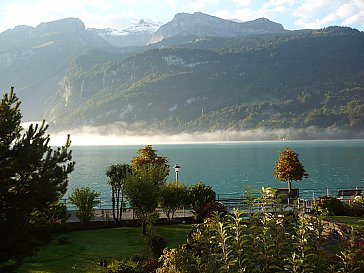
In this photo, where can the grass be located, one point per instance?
(357, 222)
(81, 251)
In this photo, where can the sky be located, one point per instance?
(292, 14)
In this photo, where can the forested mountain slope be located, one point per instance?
(312, 78)
(200, 73)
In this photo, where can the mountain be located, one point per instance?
(34, 60)
(230, 76)
(200, 24)
(310, 79)
(137, 34)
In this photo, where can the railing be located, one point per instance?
(236, 199)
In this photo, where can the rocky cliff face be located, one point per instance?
(34, 59)
(200, 24)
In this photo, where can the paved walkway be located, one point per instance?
(106, 215)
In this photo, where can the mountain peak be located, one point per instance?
(63, 25)
(201, 24)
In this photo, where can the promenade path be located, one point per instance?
(106, 215)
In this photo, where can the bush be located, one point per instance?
(123, 266)
(150, 265)
(357, 206)
(199, 195)
(330, 206)
(85, 199)
(213, 206)
(156, 245)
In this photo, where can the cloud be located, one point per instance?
(299, 14)
(318, 14)
(242, 2)
(275, 3)
(94, 13)
(199, 5)
(293, 14)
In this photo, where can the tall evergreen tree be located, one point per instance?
(33, 178)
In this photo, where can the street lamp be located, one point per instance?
(176, 169)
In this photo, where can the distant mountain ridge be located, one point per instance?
(200, 24)
(201, 73)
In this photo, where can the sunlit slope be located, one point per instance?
(308, 78)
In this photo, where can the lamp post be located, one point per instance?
(176, 169)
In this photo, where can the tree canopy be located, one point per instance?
(147, 156)
(173, 196)
(117, 174)
(288, 167)
(142, 190)
(33, 178)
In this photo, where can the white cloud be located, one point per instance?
(294, 14)
(242, 2)
(275, 3)
(318, 14)
(199, 5)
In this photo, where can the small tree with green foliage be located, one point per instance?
(172, 197)
(147, 156)
(289, 168)
(117, 175)
(85, 199)
(198, 196)
(142, 190)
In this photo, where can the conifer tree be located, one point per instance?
(33, 178)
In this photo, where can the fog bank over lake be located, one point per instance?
(120, 135)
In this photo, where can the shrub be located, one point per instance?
(123, 266)
(156, 245)
(173, 196)
(85, 199)
(211, 207)
(330, 206)
(199, 195)
(357, 206)
(150, 265)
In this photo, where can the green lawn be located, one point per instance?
(83, 250)
(353, 221)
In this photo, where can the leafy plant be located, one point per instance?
(142, 189)
(330, 206)
(198, 196)
(85, 199)
(123, 266)
(172, 197)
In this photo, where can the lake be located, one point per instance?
(230, 167)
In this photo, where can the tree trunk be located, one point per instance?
(289, 189)
(121, 204)
(144, 227)
(117, 205)
(113, 204)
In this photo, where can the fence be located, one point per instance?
(236, 199)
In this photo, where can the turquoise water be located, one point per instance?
(229, 167)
